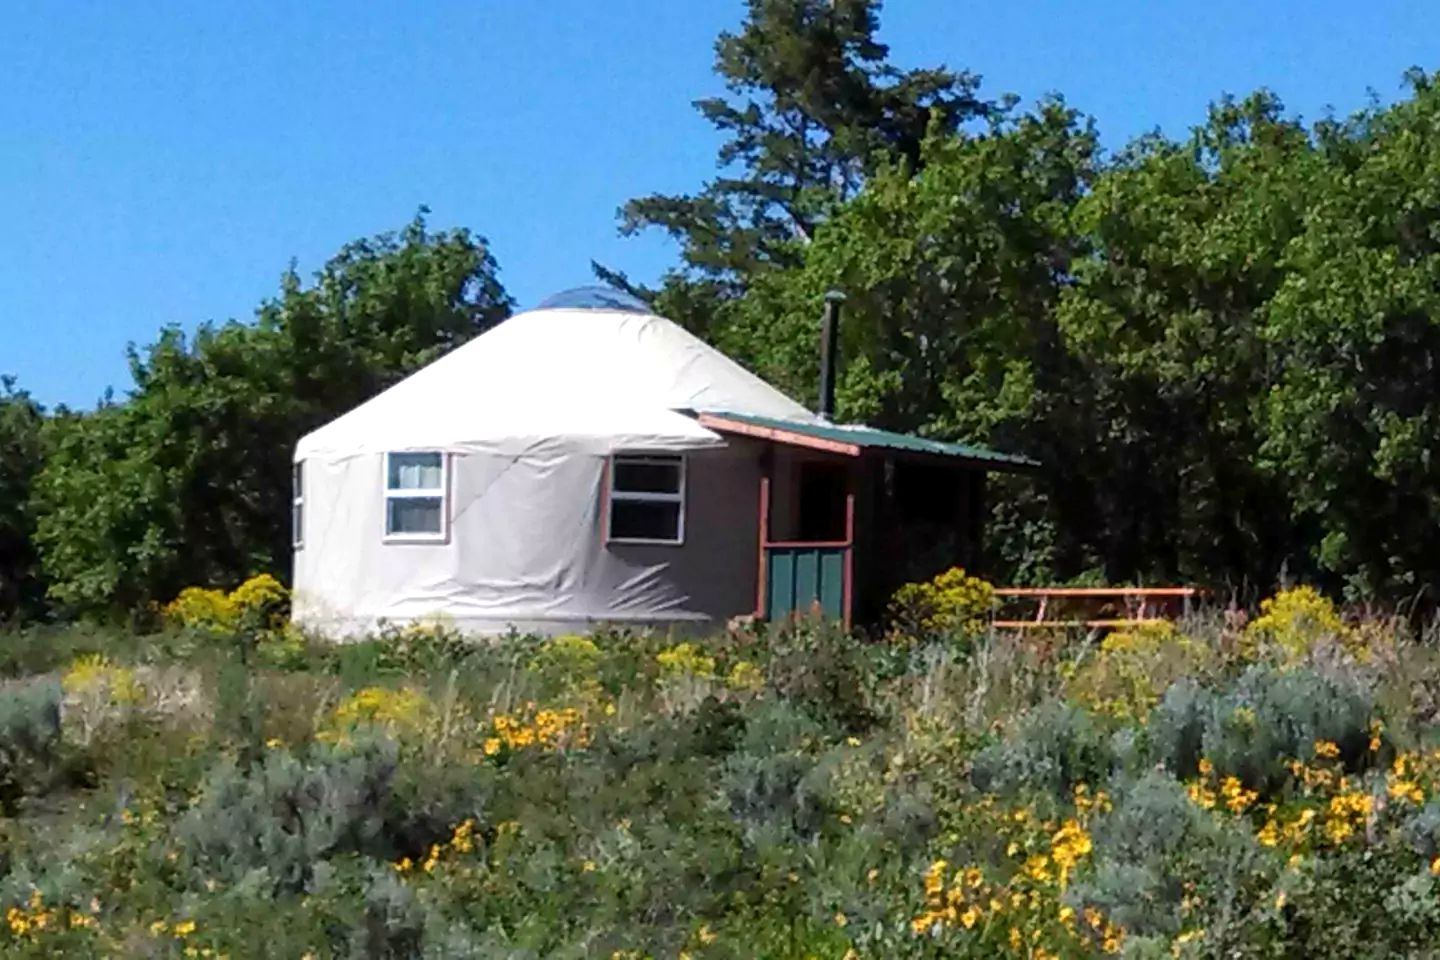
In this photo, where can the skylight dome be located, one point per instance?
(595, 298)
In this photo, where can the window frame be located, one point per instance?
(426, 493)
(681, 497)
(297, 505)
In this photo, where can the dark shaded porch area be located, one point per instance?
(848, 514)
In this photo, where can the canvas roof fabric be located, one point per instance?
(591, 379)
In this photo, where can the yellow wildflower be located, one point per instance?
(1406, 790)
(935, 878)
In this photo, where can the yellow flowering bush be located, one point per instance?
(462, 842)
(1296, 619)
(400, 711)
(201, 607)
(572, 664)
(1133, 668)
(263, 594)
(685, 659)
(38, 925)
(570, 654)
(98, 694)
(545, 729)
(95, 676)
(745, 676)
(952, 602)
(261, 597)
(1016, 907)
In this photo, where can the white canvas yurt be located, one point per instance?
(548, 475)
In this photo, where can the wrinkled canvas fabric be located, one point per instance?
(528, 415)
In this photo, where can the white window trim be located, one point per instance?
(297, 504)
(612, 495)
(427, 493)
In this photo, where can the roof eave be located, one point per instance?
(795, 435)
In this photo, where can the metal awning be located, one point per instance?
(854, 440)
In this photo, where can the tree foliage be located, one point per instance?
(21, 455)
(188, 481)
(813, 108)
(1224, 347)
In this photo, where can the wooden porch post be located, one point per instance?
(762, 572)
(848, 582)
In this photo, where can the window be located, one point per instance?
(415, 496)
(297, 505)
(647, 499)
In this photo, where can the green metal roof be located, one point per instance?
(872, 439)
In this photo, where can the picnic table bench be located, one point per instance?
(1097, 608)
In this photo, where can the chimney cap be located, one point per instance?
(834, 296)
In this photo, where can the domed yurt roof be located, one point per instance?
(595, 298)
(589, 369)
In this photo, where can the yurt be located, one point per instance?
(548, 475)
(589, 462)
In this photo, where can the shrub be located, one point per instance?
(822, 670)
(547, 729)
(98, 692)
(402, 712)
(568, 665)
(1151, 827)
(783, 794)
(744, 676)
(1268, 717)
(423, 647)
(685, 660)
(1295, 620)
(1052, 748)
(29, 740)
(95, 674)
(1175, 735)
(1133, 667)
(201, 608)
(260, 602)
(283, 648)
(952, 604)
(286, 815)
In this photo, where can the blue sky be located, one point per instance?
(163, 162)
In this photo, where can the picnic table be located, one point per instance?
(1096, 608)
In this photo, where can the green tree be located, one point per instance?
(1167, 316)
(813, 109)
(953, 278)
(21, 455)
(1352, 423)
(188, 481)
